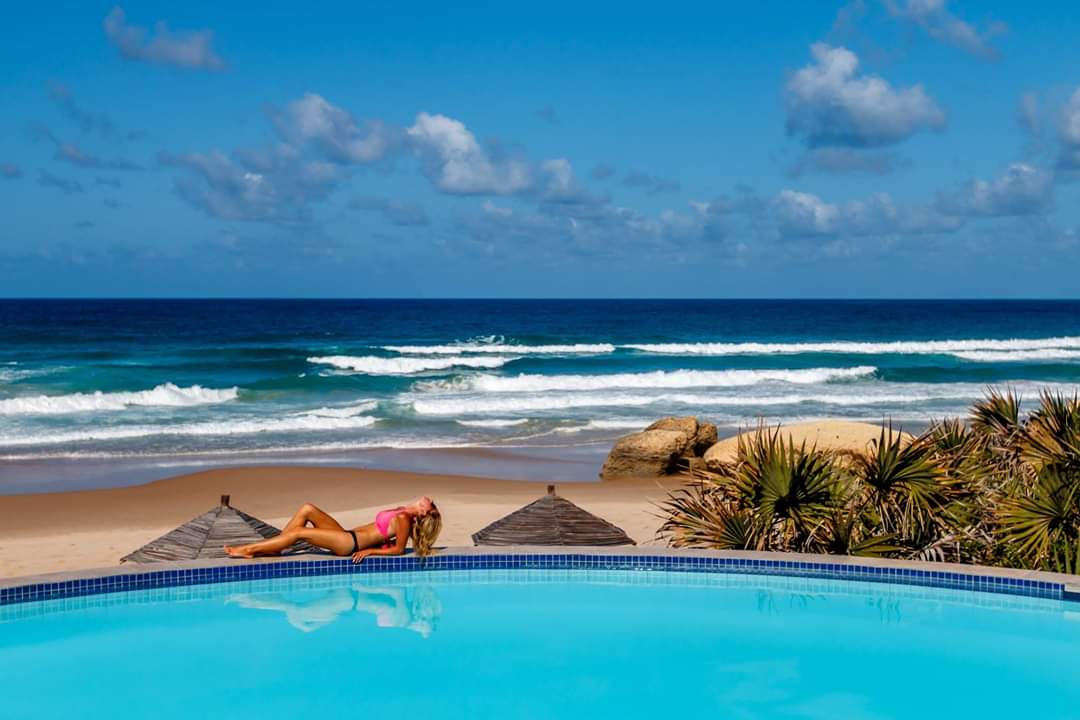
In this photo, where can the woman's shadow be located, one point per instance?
(416, 609)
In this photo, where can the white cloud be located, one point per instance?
(934, 18)
(457, 162)
(334, 130)
(829, 103)
(1021, 190)
(271, 185)
(800, 214)
(183, 48)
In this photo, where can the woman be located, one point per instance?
(388, 535)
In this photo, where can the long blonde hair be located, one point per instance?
(425, 531)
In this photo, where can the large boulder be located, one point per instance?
(656, 450)
(648, 453)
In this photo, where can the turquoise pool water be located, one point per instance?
(541, 644)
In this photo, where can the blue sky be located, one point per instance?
(876, 148)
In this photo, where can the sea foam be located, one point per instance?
(659, 379)
(371, 365)
(493, 423)
(467, 348)
(296, 423)
(900, 347)
(167, 395)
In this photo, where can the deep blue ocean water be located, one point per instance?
(112, 378)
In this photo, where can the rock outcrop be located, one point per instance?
(657, 450)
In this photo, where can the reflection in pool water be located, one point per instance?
(415, 608)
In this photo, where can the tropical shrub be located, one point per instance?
(1000, 489)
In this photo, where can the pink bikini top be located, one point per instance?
(384, 518)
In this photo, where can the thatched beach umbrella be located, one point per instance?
(551, 520)
(203, 537)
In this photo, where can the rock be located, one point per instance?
(687, 425)
(706, 437)
(650, 453)
(655, 450)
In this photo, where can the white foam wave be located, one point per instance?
(627, 424)
(568, 401)
(934, 397)
(11, 373)
(1019, 355)
(342, 411)
(503, 348)
(493, 423)
(371, 365)
(167, 395)
(202, 429)
(659, 379)
(901, 347)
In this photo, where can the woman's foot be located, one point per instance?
(238, 552)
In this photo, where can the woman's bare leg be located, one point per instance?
(338, 542)
(309, 513)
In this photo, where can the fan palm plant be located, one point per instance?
(906, 488)
(1044, 526)
(1051, 437)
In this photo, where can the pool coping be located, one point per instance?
(1029, 583)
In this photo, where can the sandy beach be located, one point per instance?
(57, 531)
(66, 531)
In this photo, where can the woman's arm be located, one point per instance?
(401, 525)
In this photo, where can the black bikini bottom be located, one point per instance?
(355, 543)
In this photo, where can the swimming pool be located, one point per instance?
(542, 644)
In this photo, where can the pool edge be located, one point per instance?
(174, 574)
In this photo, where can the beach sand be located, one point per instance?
(77, 530)
(53, 532)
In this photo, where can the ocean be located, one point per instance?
(255, 379)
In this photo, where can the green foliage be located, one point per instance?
(1001, 489)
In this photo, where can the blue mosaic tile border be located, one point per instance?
(411, 563)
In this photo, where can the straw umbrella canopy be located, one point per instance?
(205, 536)
(551, 520)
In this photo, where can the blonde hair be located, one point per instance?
(425, 531)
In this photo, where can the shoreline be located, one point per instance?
(569, 463)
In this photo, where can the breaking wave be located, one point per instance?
(659, 379)
(167, 395)
(298, 423)
(371, 365)
(342, 411)
(467, 348)
(899, 347)
(493, 423)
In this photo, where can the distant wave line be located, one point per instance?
(658, 379)
(202, 429)
(898, 347)
(165, 395)
(372, 365)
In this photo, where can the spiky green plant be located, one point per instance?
(906, 488)
(790, 488)
(1051, 436)
(1043, 525)
(1002, 489)
(701, 516)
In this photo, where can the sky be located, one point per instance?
(874, 148)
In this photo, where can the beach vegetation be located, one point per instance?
(999, 488)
